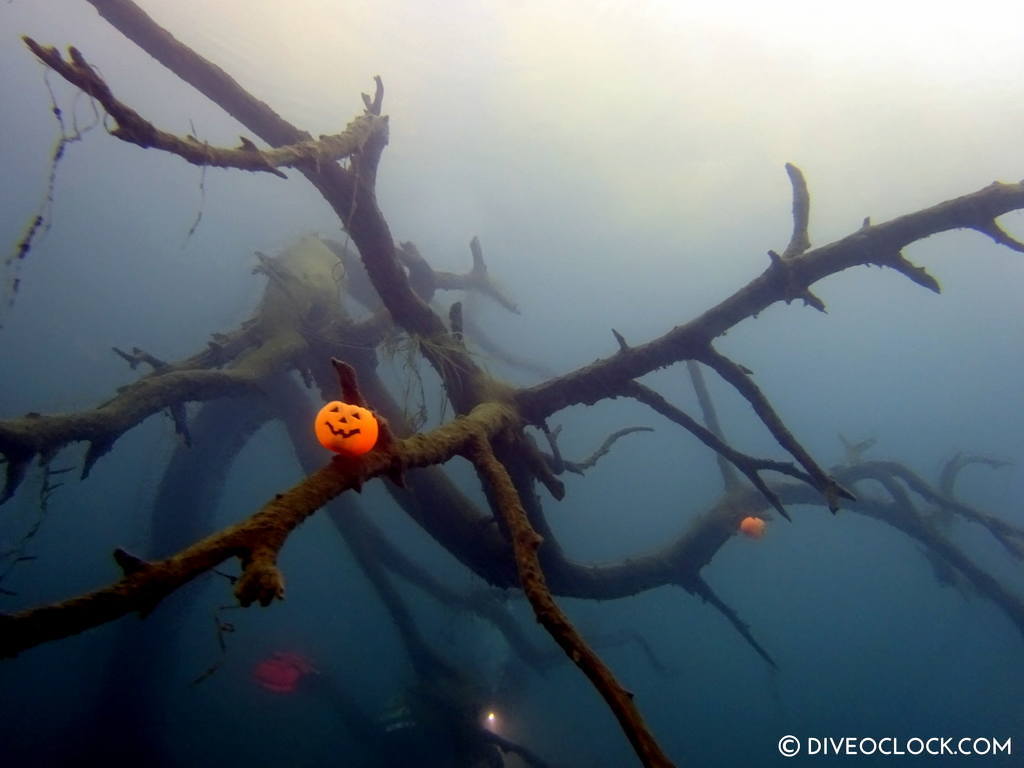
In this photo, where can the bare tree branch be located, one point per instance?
(133, 128)
(877, 245)
(800, 241)
(525, 543)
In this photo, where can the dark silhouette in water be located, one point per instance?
(301, 324)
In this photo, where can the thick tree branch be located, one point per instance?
(350, 193)
(525, 543)
(489, 432)
(38, 434)
(203, 75)
(877, 245)
(135, 129)
(256, 541)
(272, 340)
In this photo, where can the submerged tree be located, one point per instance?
(304, 323)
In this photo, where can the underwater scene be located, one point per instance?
(481, 384)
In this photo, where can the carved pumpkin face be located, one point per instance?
(753, 527)
(346, 429)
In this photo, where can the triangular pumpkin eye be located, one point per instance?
(335, 409)
(355, 415)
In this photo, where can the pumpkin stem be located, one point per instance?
(348, 382)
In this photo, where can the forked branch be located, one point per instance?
(135, 129)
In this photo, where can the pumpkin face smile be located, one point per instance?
(339, 431)
(345, 428)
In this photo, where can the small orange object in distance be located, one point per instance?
(754, 527)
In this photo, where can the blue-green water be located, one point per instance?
(623, 168)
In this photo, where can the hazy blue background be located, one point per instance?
(622, 164)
